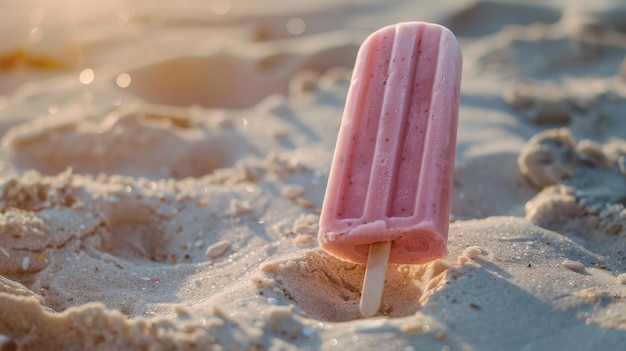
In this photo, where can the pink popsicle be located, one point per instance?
(391, 176)
(390, 183)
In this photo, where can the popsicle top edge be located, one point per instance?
(445, 32)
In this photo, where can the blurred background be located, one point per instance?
(90, 38)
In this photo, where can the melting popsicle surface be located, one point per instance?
(392, 172)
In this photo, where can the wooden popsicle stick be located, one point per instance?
(374, 282)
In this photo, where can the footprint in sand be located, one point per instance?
(228, 79)
(168, 143)
(70, 239)
(329, 289)
(63, 237)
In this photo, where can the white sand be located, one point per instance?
(179, 210)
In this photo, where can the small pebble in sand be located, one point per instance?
(292, 192)
(263, 283)
(302, 202)
(415, 327)
(472, 252)
(202, 202)
(306, 224)
(238, 207)
(573, 265)
(25, 263)
(622, 278)
(302, 239)
(303, 82)
(218, 249)
(108, 258)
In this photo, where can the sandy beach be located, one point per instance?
(163, 166)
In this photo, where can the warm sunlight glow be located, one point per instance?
(86, 76)
(123, 80)
(220, 7)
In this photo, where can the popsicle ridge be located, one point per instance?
(409, 139)
(392, 186)
(352, 199)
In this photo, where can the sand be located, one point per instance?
(163, 166)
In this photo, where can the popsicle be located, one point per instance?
(389, 188)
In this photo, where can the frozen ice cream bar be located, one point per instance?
(390, 182)
(391, 177)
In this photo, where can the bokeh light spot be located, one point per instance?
(123, 80)
(86, 76)
(296, 26)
